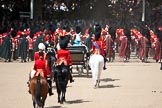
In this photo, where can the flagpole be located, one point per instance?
(31, 9)
(143, 10)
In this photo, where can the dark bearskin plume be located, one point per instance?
(146, 33)
(97, 32)
(127, 34)
(63, 42)
(159, 35)
(112, 32)
(78, 29)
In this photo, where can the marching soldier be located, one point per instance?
(145, 44)
(23, 48)
(30, 48)
(6, 48)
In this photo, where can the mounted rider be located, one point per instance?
(98, 44)
(63, 56)
(41, 66)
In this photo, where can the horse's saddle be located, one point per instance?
(34, 73)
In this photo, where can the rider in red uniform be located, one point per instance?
(63, 55)
(41, 66)
(41, 48)
(98, 45)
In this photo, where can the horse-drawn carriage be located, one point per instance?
(80, 58)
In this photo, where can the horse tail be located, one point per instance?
(38, 91)
(63, 78)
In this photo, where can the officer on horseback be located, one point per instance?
(51, 59)
(63, 55)
(50, 51)
(41, 63)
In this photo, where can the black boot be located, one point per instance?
(50, 92)
(50, 88)
(104, 68)
(71, 78)
(29, 92)
(9, 60)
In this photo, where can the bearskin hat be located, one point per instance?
(159, 35)
(67, 29)
(97, 31)
(146, 33)
(78, 29)
(97, 28)
(63, 42)
(90, 31)
(127, 33)
(13, 33)
(112, 32)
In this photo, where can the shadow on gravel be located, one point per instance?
(109, 79)
(69, 102)
(82, 75)
(55, 107)
(76, 101)
(108, 86)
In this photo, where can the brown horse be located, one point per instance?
(39, 90)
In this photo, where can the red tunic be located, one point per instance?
(124, 47)
(40, 66)
(157, 48)
(63, 56)
(109, 46)
(101, 45)
(31, 43)
(36, 56)
(143, 49)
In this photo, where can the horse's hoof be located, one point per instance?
(29, 92)
(71, 80)
(98, 85)
(104, 68)
(59, 101)
(95, 86)
(50, 94)
(63, 99)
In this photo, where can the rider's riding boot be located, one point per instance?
(50, 92)
(104, 68)
(9, 60)
(50, 88)
(28, 86)
(28, 83)
(29, 91)
(71, 78)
